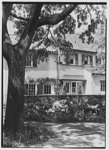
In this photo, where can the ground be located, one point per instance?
(75, 135)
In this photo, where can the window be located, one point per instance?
(71, 61)
(47, 89)
(28, 61)
(102, 85)
(32, 89)
(29, 89)
(86, 60)
(67, 87)
(73, 87)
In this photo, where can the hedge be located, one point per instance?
(65, 108)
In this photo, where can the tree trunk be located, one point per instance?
(15, 98)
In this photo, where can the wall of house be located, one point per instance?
(88, 83)
(96, 84)
(43, 69)
(70, 70)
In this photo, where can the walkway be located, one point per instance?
(76, 135)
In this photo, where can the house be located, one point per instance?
(81, 76)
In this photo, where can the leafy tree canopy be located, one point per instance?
(88, 18)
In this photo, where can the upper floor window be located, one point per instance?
(71, 61)
(73, 87)
(102, 85)
(29, 61)
(86, 60)
(47, 89)
(29, 89)
(67, 89)
(74, 59)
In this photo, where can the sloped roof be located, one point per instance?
(77, 43)
(97, 70)
(73, 77)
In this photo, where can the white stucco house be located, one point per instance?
(78, 77)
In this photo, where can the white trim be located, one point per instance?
(43, 89)
(28, 89)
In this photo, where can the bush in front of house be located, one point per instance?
(65, 108)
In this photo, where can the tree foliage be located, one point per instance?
(92, 16)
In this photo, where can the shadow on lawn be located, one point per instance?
(80, 134)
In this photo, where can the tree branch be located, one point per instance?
(51, 20)
(20, 18)
(40, 42)
(5, 36)
(89, 12)
(56, 18)
(29, 30)
(6, 11)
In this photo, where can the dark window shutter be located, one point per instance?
(91, 60)
(39, 88)
(26, 89)
(83, 59)
(34, 62)
(71, 61)
(76, 58)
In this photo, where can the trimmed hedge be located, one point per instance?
(65, 108)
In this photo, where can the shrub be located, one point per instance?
(65, 108)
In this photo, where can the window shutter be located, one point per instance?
(34, 62)
(91, 60)
(26, 89)
(76, 59)
(96, 60)
(39, 89)
(83, 59)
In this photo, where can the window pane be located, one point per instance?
(73, 87)
(28, 61)
(102, 85)
(47, 89)
(32, 89)
(67, 87)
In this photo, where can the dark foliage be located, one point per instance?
(65, 108)
(33, 133)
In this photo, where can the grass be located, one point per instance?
(34, 133)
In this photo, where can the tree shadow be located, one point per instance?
(79, 134)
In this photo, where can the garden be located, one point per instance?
(65, 108)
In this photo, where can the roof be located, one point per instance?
(78, 45)
(98, 70)
(73, 77)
